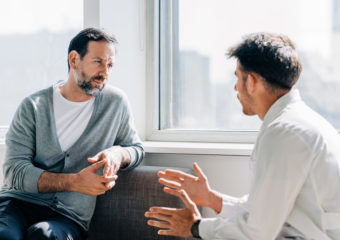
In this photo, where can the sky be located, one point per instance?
(211, 29)
(29, 16)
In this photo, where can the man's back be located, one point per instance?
(307, 157)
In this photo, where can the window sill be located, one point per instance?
(231, 149)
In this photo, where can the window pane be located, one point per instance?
(197, 80)
(34, 37)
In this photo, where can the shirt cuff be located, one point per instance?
(31, 178)
(206, 228)
(231, 205)
(133, 157)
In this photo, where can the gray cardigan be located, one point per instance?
(32, 147)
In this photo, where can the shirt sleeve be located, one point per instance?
(128, 138)
(18, 168)
(231, 205)
(282, 163)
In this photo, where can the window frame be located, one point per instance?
(153, 91)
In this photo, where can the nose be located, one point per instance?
(235, 88)
(105, 71)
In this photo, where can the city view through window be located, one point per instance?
(34, 37)
(202, 93)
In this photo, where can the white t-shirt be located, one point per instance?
(71, 118)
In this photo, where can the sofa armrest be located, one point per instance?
(119, 213)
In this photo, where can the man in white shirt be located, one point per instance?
(295, 191)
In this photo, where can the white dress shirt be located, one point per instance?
(295, 189)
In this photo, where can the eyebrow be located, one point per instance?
(103, 59)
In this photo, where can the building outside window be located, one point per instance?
(197, 81)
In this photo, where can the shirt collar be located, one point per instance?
(287, 99)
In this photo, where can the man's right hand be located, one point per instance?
(87, 181)
(197, 187)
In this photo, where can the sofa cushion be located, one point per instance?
(119, 213)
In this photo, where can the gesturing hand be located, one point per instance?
(197, 187)
(87, 181)
(174, 221)
(113, 157)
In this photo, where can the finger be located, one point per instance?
(98, 165)
(107, 168)
(171, 191)
(167, 176)
(110, 171)
(92, 160)
(163, 210)
(187, 201)
(169, 232)
(182, 195)
(98, 157)
(178, 174)
(158, 224)
(110, 185)
(178, 193)
(198, 171)
(158, 216)
(169, 183)
(109, 178)
(115, 168)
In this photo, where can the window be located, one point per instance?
(196, 80)
(34, 37)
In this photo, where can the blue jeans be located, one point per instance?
(23, 220)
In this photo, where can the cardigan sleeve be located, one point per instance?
(19, 170)
(127, 136)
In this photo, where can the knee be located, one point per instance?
(40, 231)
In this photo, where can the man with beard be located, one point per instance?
(295, 190)
(65, 145)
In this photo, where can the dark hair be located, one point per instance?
(272, 56)
(80, 42)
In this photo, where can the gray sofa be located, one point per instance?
(119, 213)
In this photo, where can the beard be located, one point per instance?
(246, 102)
(85, 84)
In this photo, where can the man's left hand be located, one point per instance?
(114, 156)
(174, 221)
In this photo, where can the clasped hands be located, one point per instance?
(193, 191)
(89, 182)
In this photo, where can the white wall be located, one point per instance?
(227, 174)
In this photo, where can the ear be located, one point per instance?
(73, 59)
(251, 83)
